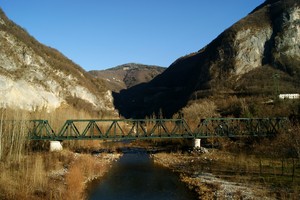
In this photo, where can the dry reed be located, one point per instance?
(31, 174)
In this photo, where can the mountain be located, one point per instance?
(127, 75)
(246, 59)
(34, 76)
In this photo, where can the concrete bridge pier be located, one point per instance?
(55, 146)
(197, 143)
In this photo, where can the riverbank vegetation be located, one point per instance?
(244, 169)
(29, 171)
(267, 167)
(261, 168)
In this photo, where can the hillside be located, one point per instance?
(127, 75)
(34, 76)
(249, 59)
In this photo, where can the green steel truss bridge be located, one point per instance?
(121, 129)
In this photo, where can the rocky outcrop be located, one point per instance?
(287, 39)
(33, 76)
(267, 36)
(264, 42)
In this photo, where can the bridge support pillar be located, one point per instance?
(55, 146)
(197, 143)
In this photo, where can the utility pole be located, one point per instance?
(276, 85)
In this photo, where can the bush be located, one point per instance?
(198, 110)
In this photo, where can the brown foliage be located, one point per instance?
(28, 174)
(198, 110)
(74, 181)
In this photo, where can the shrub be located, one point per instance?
(198, 110)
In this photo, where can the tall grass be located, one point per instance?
(29, 174)
(75, 183)
(13, 134)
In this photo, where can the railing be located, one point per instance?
(100, 129)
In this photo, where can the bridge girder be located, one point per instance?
(120, 129)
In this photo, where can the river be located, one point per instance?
(135, 176)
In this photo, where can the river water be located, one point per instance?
(135, 177)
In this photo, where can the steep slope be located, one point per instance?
(34, 76)
(267, 41)
(127, 75)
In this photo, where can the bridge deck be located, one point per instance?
(120, 129)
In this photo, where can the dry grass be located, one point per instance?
(28, 174)
(13, 135)
(24, 179)
(84, 169)
(75, 183)
(56, 175)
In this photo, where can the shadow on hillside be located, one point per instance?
(168, 92)
(140, 102)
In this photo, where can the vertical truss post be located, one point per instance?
(158, 128)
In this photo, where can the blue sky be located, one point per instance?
(99, 34)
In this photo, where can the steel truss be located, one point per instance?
(156, 128)
(240, 127)
(111, 129)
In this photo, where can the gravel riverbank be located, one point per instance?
(197, 171)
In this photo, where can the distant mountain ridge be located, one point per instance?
(244, 59)
(127, 75)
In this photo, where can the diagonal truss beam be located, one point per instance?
(156, 128)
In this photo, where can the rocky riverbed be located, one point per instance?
(199, 170)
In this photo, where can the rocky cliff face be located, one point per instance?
(33, 76)
(275, 40)
(266, 42)
(286, 37)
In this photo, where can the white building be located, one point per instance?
(289, 96)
